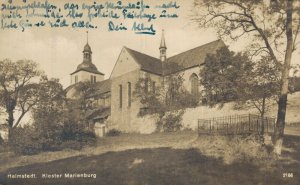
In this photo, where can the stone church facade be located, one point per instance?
(116, 93)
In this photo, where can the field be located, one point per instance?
(161, 158)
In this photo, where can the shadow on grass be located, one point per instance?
(290, 161)
(292, 142)
(147, 166)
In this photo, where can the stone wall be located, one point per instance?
(122, 115)
(126, 118)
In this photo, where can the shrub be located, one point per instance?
(50, 137)
(1, 140)
(29, 140)
(3, 145)
(74, 132)
(113, 132)
(25, 141)
(233, 149)
(171, 122)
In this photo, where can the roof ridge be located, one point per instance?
(204, 45)
(141, 53)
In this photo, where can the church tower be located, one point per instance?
(86, 71)
(87, 53)
(163, 48)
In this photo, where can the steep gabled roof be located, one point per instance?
(191, 58)
(176, 63)
(147, 63)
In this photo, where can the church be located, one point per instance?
(115, 94)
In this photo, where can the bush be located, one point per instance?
(29, 140)
(233, 149)
(25, 141)
(113, 132)
(73, 132)
(171, 122)
(1, 140)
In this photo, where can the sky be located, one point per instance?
(58, 51)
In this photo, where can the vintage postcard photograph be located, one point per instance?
(149, 92)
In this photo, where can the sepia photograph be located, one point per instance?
(149, 92)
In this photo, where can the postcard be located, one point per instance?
(149, 92)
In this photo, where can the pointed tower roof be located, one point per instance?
(162, 42)
(87, 47)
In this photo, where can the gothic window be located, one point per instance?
(120, 96)
(129, 94)
(194, 80)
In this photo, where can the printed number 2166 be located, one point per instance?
(287, 175)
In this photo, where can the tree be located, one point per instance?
(261, 87)
(151, 98)
(48, 113)
(167, 99)
(272, 25)
(227, 77)
(83, 100)
(18, 88)
(223, 75)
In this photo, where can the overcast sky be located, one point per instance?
(58, 51)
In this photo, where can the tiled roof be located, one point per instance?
(99, 113)
(148, 63)
(88, 69)
(185, 60)
(102, 87)
(191, 58)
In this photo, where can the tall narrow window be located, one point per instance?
(146, 85)
(94, 79)
(129, 94)
(76, 79)
(194, 84)
(153, 87)
(120, 96)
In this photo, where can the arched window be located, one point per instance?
(194, 80)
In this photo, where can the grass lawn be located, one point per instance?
(154, 159)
